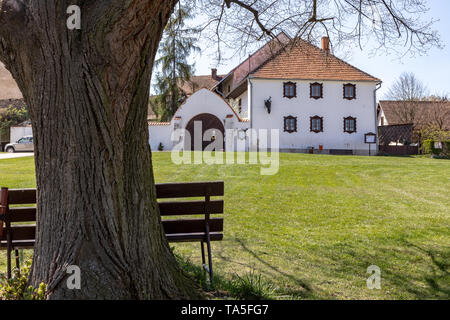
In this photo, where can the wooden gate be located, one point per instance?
(208, 121)
(399, 150)
(399, 133)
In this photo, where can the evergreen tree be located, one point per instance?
(177, 44)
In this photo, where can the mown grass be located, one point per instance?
(312, 230)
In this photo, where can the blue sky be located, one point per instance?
(433, 68)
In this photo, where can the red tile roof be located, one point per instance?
(196, 83)
(258, 58)
(303, 60)
(8, 86)
(425, 112)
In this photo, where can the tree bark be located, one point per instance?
(88, 92)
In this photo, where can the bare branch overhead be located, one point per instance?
(395, 26)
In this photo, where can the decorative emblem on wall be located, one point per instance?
(268, 104)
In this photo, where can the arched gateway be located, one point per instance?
(204, 106)
(208, 121)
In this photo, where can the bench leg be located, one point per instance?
(9, 249)
(203, 253)
(17, 261)
(8, 262)
(208, 245)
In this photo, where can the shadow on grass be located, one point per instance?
(408, 271)
(296, 288)
(439, 278)
(251, 286)
(305, 291)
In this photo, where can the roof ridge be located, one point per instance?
(254, 53)
(316, 48)
(345, 62)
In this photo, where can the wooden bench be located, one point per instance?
(15, 234)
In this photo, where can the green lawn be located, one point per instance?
(314, 228)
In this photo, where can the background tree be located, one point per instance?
(410, 91)
(439, 115)
(88, 93)
(176, 46)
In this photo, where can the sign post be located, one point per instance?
(370, 138)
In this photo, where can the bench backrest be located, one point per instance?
(13, 215)
(205, 207)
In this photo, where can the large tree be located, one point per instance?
(88, 92)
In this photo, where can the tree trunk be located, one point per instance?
(88, 93)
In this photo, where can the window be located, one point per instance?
(350, 124)
(289, 90)
(316, 124)
(240, 105)
(290, 124)
(316, 90)
(349, 91)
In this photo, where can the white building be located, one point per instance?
(318, 102)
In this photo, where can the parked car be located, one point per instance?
(21, 145)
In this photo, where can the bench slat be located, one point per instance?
(192, 225)
(28, 232)
(191, 189)
(163, 190)
(21, 196)
(21, 232)
(23, 244)
(188, 237)
(22, 214)
(174, 208)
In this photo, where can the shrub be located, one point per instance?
(160, 147)
(427, 146)
(251, 286)
(434, 133)
(11, 117)
(17, 288)
(446, 146)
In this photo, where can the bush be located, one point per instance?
(11, 117)
(434, 133)
(446, 146)
(427, 146)
(250, 286)
(17, 288)
(160, 147)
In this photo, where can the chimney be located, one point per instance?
(214, 75)
(326, 44)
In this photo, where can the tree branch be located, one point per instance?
(255, 15)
